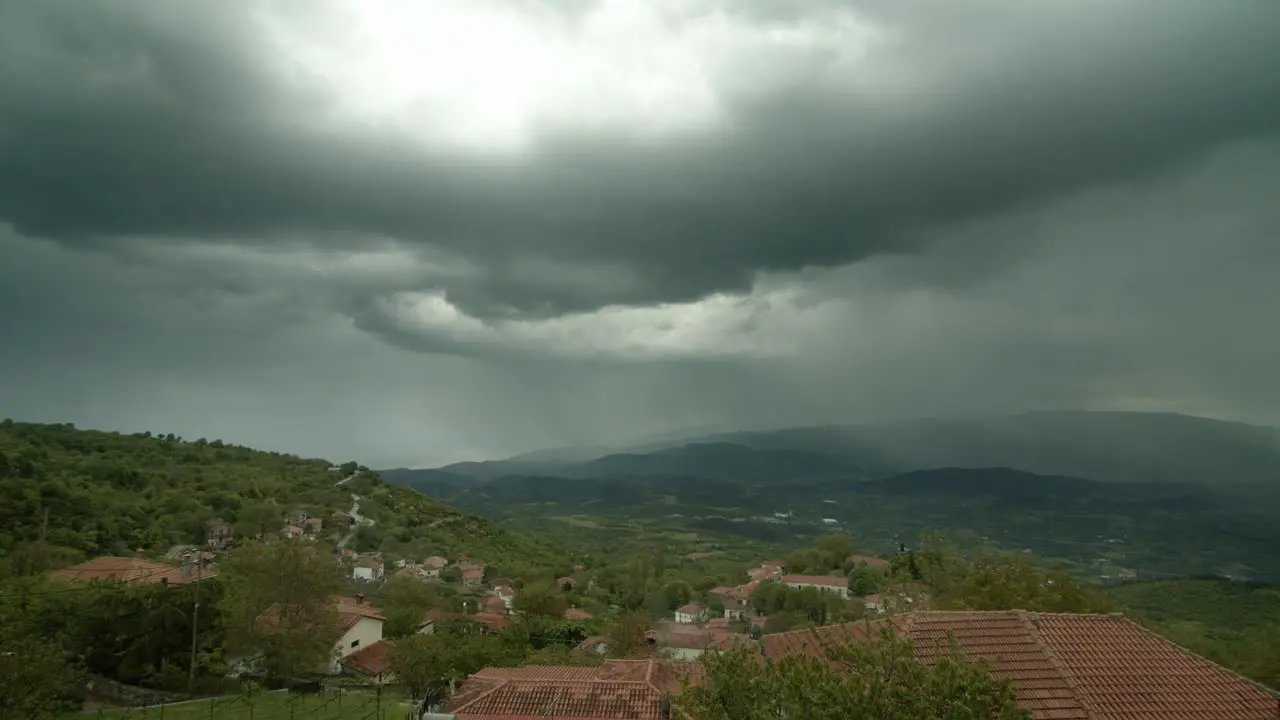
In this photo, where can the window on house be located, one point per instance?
(355, 643)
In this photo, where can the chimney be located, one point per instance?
(359, 598)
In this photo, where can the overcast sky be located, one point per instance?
(412, 232)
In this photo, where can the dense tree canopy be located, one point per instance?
(869, 679)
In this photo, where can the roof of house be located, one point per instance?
(291, 530)
(473, 572)
(372, 563)
(872, 599)
(577, 614)
(630, 689)
(494, 604)
(109, 568)
(773, 563)
(566, 579)
(1072, 666)
(435, 562)
(358, 607)
(690, 609)
(374, 659)
(870, 560)
(827, 580)
(670, 634)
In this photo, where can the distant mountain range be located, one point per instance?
(1105, 446)
(1160, 492)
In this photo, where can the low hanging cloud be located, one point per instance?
(595, 219)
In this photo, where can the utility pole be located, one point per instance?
(195, 624)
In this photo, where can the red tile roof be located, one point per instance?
(1067, 667)
(128, 570)
(577, 614)
(870, 560)
(690, 609)
(826, 580)
(372, 660)
(621, 689)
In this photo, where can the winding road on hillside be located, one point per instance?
(354, 512)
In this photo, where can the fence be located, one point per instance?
(311, 700)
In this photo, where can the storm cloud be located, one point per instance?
(419, 230)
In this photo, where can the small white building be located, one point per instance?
(825, 583)
(367, 569)
(360, 626)
(874, 604)
(691, 614)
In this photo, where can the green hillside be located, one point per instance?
(94, 493)
(1234, 623)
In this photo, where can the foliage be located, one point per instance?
(129, 633)
(89, 493)
(1233, 623)
(876, 678)
(807, 604)
(541, 600)
(37, 679)
(278, 604)
(627, 631)
(405, 601)
(1013, 581)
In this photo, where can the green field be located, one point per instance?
(267, 706)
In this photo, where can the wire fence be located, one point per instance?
(322, 701)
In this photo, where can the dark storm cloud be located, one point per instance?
(135, 120)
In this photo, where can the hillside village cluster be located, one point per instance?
(1047, 656)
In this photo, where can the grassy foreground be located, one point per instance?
(268, 706)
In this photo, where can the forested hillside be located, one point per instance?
(91, 493)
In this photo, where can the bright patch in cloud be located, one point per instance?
(766, 325)
(487, 75)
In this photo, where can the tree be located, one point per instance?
(541, 599)
(406, 600)
(278, 604)
(873, 679)
(865, 580)
(1010, 581)
(627, 632)
(37, 680)
(832, 550)
(427, 664)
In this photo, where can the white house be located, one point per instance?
(360, 626)
(874, 604)
(367, 569)
(508, 595)
(825, 583)
(691, 614)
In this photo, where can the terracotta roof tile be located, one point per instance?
(372, 660)
(1071, 667)
(824, 580)
(630, 689)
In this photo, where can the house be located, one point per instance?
(679, 641)
(488, 622)
(825, 583)
(436, 563)
(508, 595)
(735, 608)
(297, 516)
(873, 604)
(566, 583)
(341, 519)
(312, 526)
(872, 562)
(371, 663)
(499, 582)
(577, 615)
(596, 645)
(472, 575)
(691, 614)
(494, 604)
(1069, 666)
(359, 626)
(615, 690)
(368, 569)
(131, 570)
(217, 533)
(1127, 575)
